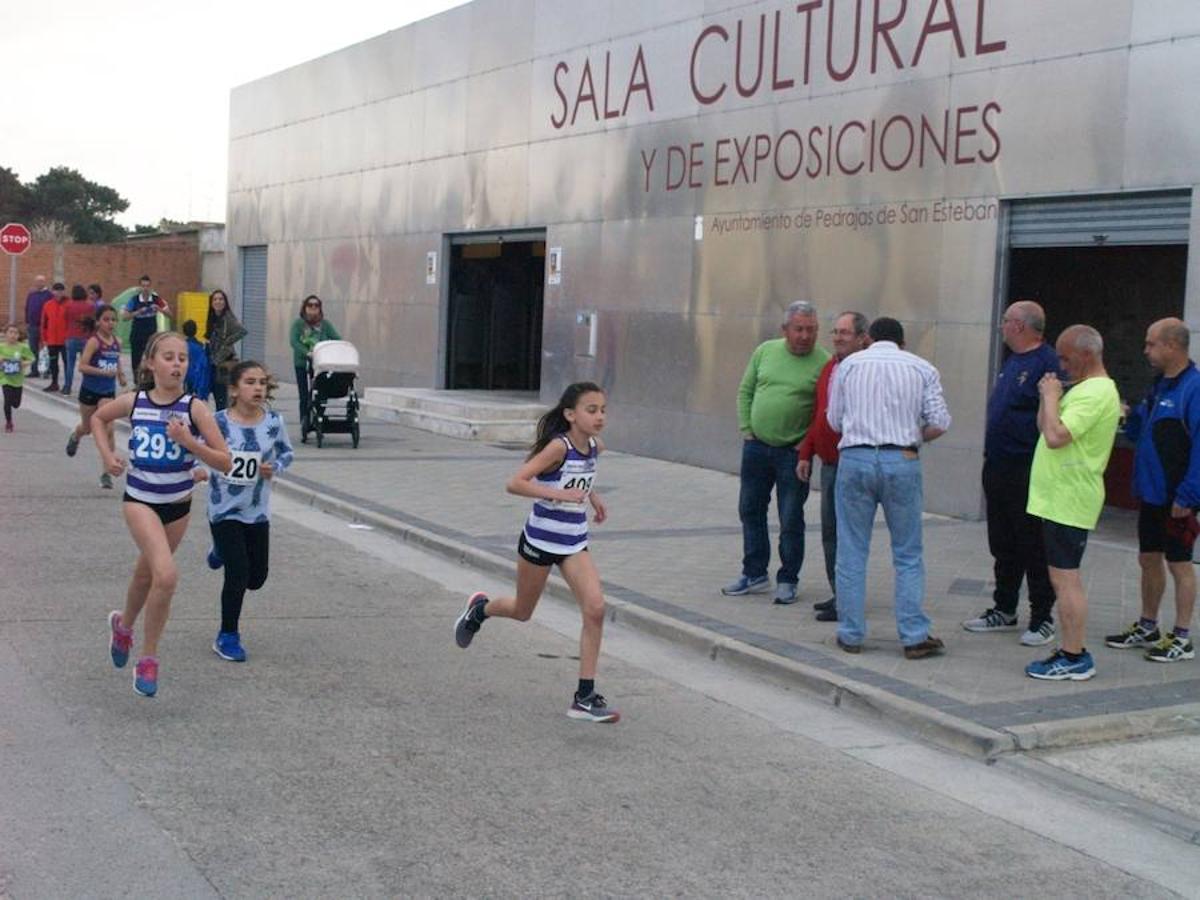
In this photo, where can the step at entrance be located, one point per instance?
(471, 415)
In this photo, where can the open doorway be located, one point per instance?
(494, 334)
(1115, 263)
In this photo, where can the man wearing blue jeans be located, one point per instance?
(775, 406)
(885, 402)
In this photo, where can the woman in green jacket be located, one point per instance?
(307, 331)
(222, 331)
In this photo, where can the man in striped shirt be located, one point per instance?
(885, 402)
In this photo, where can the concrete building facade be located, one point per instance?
(520, 194)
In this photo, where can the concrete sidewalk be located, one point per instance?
(673, 539)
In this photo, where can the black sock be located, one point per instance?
(1074, 657)
(586, 687)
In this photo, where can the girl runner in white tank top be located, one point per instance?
(559, 477)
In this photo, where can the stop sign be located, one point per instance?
(15, 239)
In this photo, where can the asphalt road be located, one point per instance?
(360, 753)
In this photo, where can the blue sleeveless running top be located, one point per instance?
(557, 526)
(107, 357)
(160, 470)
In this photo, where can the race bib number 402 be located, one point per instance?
(246, 467)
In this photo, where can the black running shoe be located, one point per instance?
(468, 623)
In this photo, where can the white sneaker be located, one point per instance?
(992, 620)
(1036, 637)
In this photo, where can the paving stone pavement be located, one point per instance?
(672, 539)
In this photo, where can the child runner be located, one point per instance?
(239, 511)
(168, 428)
(15, 356)
(100, 364)
(558, 475)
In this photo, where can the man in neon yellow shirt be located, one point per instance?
(775, 406)
(1066, 485)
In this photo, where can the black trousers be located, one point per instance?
(12, 400)
(1015, 540)
(243, 549)
(54, 351)
(140, 332)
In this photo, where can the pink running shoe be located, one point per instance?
(120, 641)
(145, 676)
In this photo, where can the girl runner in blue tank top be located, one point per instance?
(558, 476)
(100, 364)
(169, 430)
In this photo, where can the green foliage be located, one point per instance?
(85, 207)
(14, 197)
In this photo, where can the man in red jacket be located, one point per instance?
(849, 336)
(54, 332)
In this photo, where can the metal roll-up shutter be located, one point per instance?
(1158, 217)
(254, 302)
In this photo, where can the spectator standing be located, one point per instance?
(81, 319)
(222, 331)
(1014, 536)
(1066, 485)
(849, 336)
(54, 332)
(309, 329)
(34, 301)
(143, 308)
(886, 403)
(775, 406)
(95, 294)
(1166, 480)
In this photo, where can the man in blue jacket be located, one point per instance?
(1014, 536)
(1166, 479)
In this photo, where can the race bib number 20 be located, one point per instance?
(246, 467)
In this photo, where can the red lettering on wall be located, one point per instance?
(930, 27)
(560, 69)
(737, 66)
(708, 32)
(982, 48)
(587, 91)
(845, 73)
(777, 83)
(882, 29)
(639, 80)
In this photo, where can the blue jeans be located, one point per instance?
(867, 479)
(74, 348)
(765, 467)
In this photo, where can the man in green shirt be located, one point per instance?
(775, 406)
(1066, 485)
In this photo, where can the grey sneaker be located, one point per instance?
(1133, 636)
(992, 620)
(785, 593)
(106, 481)
(1036, 637)
(468, 623)
(592, 708)
(72, 444)
(747, 585)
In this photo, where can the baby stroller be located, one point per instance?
(333, 401)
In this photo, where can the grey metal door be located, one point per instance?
(254, 302)
(1134, 219)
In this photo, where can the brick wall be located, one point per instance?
(173, 262)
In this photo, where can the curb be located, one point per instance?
(942, 729)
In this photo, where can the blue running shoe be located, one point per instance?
(214, 559)
(747, 585)
(145, 676)
(120, 639)
(228, 645)
(468, 623)
(1059, 668)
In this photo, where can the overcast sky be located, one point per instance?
(135, 94)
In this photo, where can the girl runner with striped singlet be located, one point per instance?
(100, 366)
(558, 476)
(169, 429)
